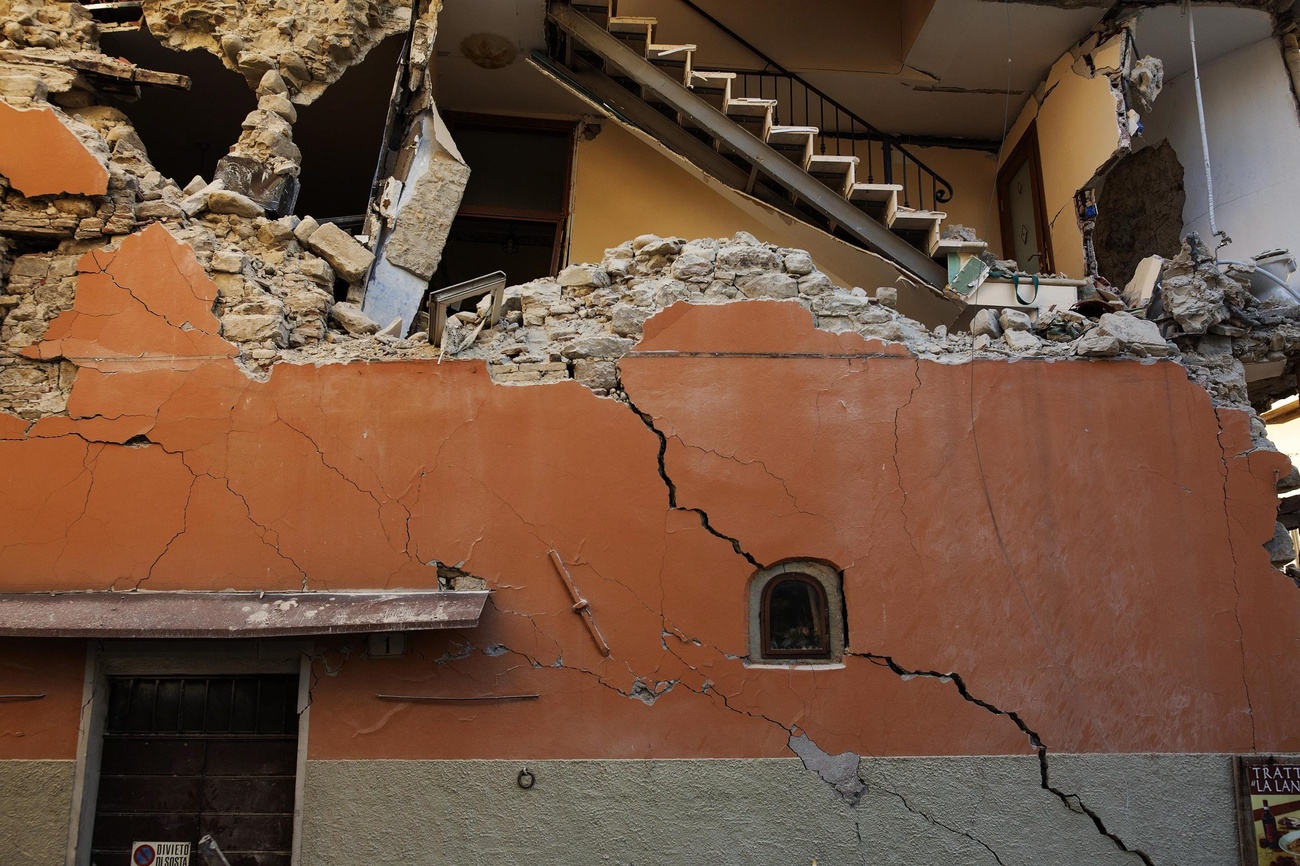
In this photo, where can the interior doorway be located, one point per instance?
(516, 205)
(1025, 231)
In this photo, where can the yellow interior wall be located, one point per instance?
(624, 187)
(1077, 134)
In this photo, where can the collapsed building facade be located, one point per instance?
(807, 489)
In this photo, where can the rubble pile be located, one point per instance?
(581, 323)
(310, 44)
(276, 277)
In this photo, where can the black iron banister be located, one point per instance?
(941, 189)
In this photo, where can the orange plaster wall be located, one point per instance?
(41, 156)
(43, 729)
(1080, 541)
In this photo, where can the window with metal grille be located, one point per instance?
(188, 756)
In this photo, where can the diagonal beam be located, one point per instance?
(812, 192)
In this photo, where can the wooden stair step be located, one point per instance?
(659, 52)
(907, 219)
(620, 24)
(749, 106)
(793, 136)
(874, 193)
(823, 163)
(943, 247)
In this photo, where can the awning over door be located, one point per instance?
(234, 614)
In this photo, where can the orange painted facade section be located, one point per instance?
(41, 156)
(1080, 541)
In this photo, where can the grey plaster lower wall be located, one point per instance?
(914, 811)
(35, 808)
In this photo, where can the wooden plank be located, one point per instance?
(264, 757)
(149, 793)
(131, 756)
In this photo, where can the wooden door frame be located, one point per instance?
(1025, 151)
(161, 658)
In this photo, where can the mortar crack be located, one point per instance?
(672, 489)
(1071, 801)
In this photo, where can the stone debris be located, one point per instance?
(348, 258)
(309, 44)
(350, 318)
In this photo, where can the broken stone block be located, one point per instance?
(229, 261)
(600, 346)
(627, 320)
(744, 260)
(774, 286)
(1281, 549)
(658, 248)
(303, 230)
(959, 232)
(692, 267)
(254, 328)
(349, 259)
(17, 86)
(986, 323)
(583, 276)
(815, 283)
(1095, 344)
(1019, 340)
(278, 104)
(197, 202)
(225, 201)
(271, 84)
(836, 305)
(1132, 334)
(158, 210)
(887, 296)
(276, 234)
(596, 374)
(350, 318)
(1015, 320)
(798, 263)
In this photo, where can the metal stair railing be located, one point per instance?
(831, 206)
(801, 103)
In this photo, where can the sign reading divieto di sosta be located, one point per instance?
(160, 854)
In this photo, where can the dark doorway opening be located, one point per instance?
(341, 135)
(516, 205)
(185, 131)
(189, 756)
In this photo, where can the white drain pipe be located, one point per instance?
(1205, 142)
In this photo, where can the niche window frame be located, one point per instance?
(828, 585)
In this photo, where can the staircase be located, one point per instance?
(709, 117)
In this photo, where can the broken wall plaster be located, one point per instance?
(658, 687)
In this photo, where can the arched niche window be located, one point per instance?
(796, 614)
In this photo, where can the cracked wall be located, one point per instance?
(1080, 118)
(998, 603)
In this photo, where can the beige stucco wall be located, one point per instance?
(1077, 133)
(35, 808)
(1176, 808)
